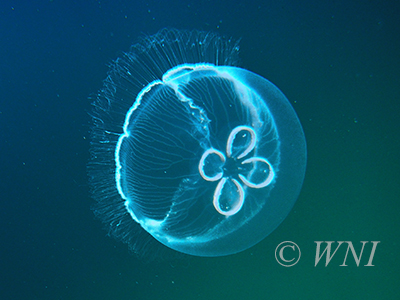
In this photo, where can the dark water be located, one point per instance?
(337, 62)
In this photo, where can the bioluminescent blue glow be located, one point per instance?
(206, 157)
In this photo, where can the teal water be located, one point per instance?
(338, 64)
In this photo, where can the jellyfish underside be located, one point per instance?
(211, 158)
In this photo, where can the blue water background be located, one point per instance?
(338, 62)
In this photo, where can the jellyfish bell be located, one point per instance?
(189, 150)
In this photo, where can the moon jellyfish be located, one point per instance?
(190, 150)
